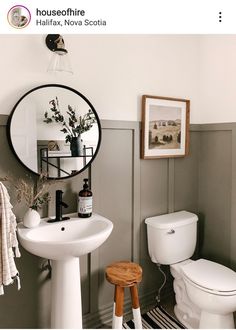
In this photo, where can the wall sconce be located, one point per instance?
(60, 59)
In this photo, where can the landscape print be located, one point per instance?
(164, 127)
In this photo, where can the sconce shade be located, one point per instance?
(60, 61)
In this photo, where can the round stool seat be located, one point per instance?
(124, 273)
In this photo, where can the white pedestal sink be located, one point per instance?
(64, 242)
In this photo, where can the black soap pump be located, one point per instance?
(85, 201)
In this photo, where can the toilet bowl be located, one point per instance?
(185, 310)
(212, 288)
(205, 291)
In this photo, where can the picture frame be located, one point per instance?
(165, 127)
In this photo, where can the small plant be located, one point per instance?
(34, 194)
(72, 126)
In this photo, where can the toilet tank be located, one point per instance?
(172, 237)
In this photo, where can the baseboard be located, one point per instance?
(103, 317)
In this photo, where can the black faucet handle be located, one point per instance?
(64, 204)
(59, 204)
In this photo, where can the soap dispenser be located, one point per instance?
(85, 201)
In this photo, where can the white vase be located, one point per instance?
(31, 218)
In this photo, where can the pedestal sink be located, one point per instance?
(64, 242)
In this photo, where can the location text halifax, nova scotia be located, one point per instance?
(70, 22)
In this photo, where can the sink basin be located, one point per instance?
(62, 240)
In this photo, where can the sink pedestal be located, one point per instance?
(66, 310)
(63, 243)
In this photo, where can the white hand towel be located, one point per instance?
(8, 241)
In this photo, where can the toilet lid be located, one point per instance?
(210, 275)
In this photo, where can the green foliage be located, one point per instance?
(72, 126)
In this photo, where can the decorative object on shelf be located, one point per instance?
(165, 127)
(34, 194)
(53, 146)
(76, 146)
(60, 59)
(73, 126)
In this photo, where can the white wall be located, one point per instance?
(217, 90)
(112, 71)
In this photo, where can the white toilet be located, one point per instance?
(205, 291)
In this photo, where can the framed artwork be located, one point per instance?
(165, 127)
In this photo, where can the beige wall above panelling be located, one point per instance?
(217, 79)
(112, 71)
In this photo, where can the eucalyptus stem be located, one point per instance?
(75, 125)
(64, 123)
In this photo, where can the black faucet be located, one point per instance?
(59, 204)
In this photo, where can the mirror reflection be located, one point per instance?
(55, 130)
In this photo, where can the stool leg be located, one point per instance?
(118, 306)
(114, 308)
(136, 307)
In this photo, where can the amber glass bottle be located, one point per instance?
(85, 201)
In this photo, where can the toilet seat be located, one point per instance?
(211, 277)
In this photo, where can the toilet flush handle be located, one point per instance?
(172, 231)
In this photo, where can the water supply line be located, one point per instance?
(46, 266)
(158, 297)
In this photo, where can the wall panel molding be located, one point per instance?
(171, 185)
(233, 203)
(223, 128)
(216, 186)
(136, 212)
(212, 127)
(188, 201)
(119, 140)
(165, 185)
(3, 120)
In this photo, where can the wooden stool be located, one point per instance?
(125, 274)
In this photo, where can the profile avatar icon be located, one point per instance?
(19, 17)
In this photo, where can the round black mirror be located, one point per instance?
(54, 129)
